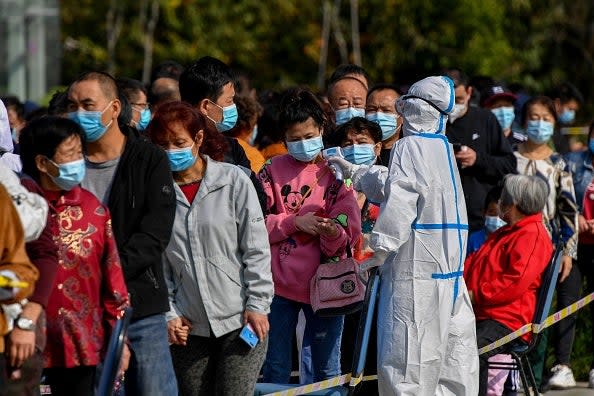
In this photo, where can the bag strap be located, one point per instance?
(349, 252)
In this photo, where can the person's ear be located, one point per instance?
(42, 164)
(377, 148)
(199, 138)
(469, 92)
(203, 106)
(116, 107)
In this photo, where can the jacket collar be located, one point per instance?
(64, 198)
(214, 178)
(535, 218)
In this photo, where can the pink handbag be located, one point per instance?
(338, 288)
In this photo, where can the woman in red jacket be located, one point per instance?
(89, 293)
(504, 275)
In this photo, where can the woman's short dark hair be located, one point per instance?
(42, 137)
(269, 131)
(214, 143)
(359, 126)
(541, 100)
(299, 104)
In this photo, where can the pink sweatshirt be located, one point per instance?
(295, 254)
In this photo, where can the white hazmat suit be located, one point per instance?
(426, 326)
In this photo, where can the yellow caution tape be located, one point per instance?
(316, 386)
(354, 381)
(537, 328)
(565, 312)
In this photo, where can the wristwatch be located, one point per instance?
(25, 323)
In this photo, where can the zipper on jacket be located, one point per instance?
(152, 277)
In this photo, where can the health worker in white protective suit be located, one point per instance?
(426, 326)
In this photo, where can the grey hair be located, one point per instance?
(528, 193)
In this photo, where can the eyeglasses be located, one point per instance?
(141, 106)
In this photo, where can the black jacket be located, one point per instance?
(142, 205)
(479, 130)
(236, 155)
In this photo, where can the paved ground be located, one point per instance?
(581, 390)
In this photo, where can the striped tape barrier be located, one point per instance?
(329, 383)
(537, 328)
(353, 381)
(316, 386)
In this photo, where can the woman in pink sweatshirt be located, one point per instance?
(312, 219)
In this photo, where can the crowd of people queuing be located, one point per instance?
(207, 207)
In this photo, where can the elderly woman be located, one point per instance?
(90, 293)
(504, 275)
(536, 158)
(217, 264)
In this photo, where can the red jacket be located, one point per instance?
(89, 291)
(505, 273)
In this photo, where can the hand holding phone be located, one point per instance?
(248, 335)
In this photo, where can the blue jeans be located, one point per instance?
(151, 371)
(323, 334)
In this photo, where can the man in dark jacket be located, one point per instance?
(209, 85)
(132, 177)
(483, 154)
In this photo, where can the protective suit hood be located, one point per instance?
(426, 106)
(5, 135)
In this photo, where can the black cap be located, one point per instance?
(494, 92)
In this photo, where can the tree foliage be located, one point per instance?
(534, 42)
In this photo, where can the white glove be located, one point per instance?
(348, 169)
(378, 258)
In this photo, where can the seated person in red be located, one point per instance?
(504, 275)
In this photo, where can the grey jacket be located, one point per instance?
(217, 263)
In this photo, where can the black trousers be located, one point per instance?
(488, 331)
(586, 267)
(75, 381)
(568, 292)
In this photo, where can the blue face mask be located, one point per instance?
(181, 159)
(14, 134)
(493, 223)
(344, 115)
(229, 117)
(252, 140)
(90, 122)
(505, 116)
(591, 145)
(387, 122)
(145, 118)
(539, 131)
(567, 116)
(70, 175)
(306, 150)
(359, 154)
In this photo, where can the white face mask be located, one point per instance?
(459, 110)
